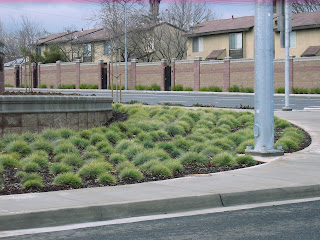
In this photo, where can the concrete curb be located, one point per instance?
(71, 215)
(160, 92)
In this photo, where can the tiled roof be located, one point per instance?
(305, 20)
(299, 21)
(311, 51)
(215, 54)
(76, 35)
(222, 25)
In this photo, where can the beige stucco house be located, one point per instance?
(235, 38)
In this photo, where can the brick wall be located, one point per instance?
(211, 74)
(304, 73)
(184, 73)
(148, 73)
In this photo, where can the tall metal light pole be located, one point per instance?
(263, 73)
(287, 13)
(126, 47)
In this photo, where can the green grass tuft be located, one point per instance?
(130, 174)
(107, 178)
(93, 169)
(224, 159)
(192, 157)
(58, 168)
(19, 146)
(68, 179)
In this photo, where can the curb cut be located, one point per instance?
(68, 216)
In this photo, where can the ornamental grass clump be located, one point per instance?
(66, 133)
(181, 143)
(195, 158)
(42, 144)
(31, 167)
(160, 170)
(246, 159)
(31, 176)
(196, 138)
(8, 138)
(287, 143)
(123, 145)
(222, 143)
(93, 169)
(40, 159)
(143, 136)
(130, 174)
(73, 160)
(224, 159)
(65, 147)
(123, 165)
(242, 147)
(281, 123)
(19, 146)
(143, 157)
(173, 165)
(58, 168)
(92, 155)
(163, 135)
(167, 146)
(50, 135)
(68, 179)
(188, 120)
(107, 178)
(112, 137)
(29, 137)
(186, 126)
(211, 151)
(10, 161)
(117, 158)
(86, 134)
(79, 142)
(36, 183)
(96, 137)
(104, 147)
(147, 165)
(132, 151)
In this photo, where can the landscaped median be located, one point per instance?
(149, 143)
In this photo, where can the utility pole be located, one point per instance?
(263, 74)
(126, 46)
(287, 6)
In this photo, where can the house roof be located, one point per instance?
(311, 51)
(299, 21)
(222, 26)
(306, 20)
(91, 35)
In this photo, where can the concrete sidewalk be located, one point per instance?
(289, 177)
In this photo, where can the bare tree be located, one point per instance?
(184, 13)
(154, 9)
(299, 6)
(23, 35)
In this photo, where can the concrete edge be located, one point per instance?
(160, 92)
(134, 209)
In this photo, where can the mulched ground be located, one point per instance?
(12, 184)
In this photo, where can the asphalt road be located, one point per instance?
(291, 221)
(207, 99)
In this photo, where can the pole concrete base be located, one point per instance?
(286, 109)
(267, 153)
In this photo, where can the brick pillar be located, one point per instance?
(173, 72)
(38, 72)
(15, 72)
(108, 74)
(196, 74)
(21, 75)
(1, 67)
(291, 85)
(58, 74)
(133, 73)
(226, 75)
(163, 74)
(34, 66)
(78, 61)
(100, 66)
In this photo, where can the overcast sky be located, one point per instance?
(57, 16)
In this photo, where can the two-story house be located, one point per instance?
(235, 37)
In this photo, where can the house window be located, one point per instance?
(235, 41)
(87, 52)
(197, 44)
(107, 48)
(292, 39)
(38, 50)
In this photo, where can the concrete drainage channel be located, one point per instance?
(20, 114)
